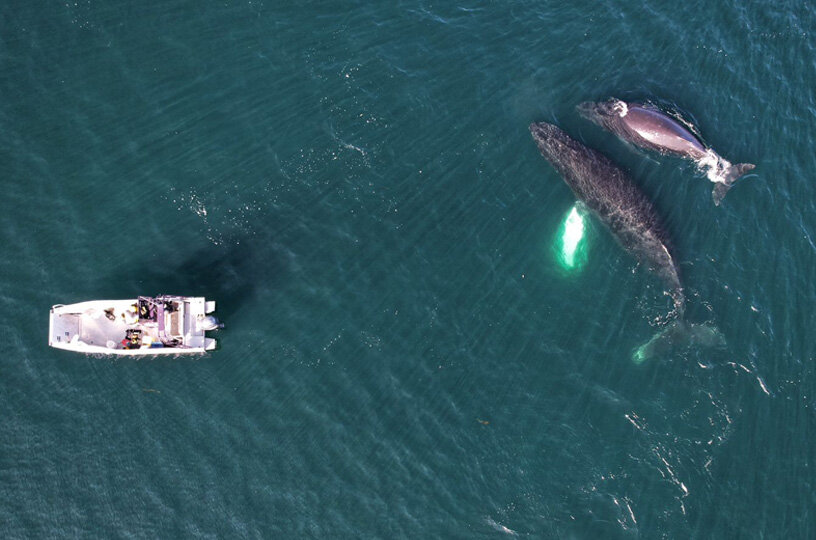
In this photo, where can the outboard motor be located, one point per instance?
(209, 323)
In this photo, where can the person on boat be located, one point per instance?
(130, 315)
(131, 340)
(130, 343)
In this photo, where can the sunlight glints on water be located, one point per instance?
(571, 242)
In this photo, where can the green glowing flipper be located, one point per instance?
(571, 244)
(677, 335)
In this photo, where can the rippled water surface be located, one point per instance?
(404, 356)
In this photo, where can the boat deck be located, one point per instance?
(108, 325)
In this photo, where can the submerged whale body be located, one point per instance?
(650, 128)
(609, 193)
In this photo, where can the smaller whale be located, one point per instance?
(648, 127)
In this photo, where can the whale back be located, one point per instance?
(614, 199)
(662, 132)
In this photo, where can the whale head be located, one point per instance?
(552, 141)
(562, 151)
(603, 113)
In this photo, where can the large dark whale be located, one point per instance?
(648, 127)
(609, 193)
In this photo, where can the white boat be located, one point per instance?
(144, 326)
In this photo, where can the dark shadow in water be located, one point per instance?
(229, 274)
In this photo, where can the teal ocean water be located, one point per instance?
(403, 356)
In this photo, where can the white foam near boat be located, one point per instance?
(142, 326)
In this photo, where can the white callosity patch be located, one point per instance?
(621, 108)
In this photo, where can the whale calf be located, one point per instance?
(609, 193)
(648, 127)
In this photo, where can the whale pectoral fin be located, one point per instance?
(678, 335)
(720, 189)
(731, 175)
(735, 171)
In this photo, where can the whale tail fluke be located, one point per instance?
(732, 173)
(678, 335)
